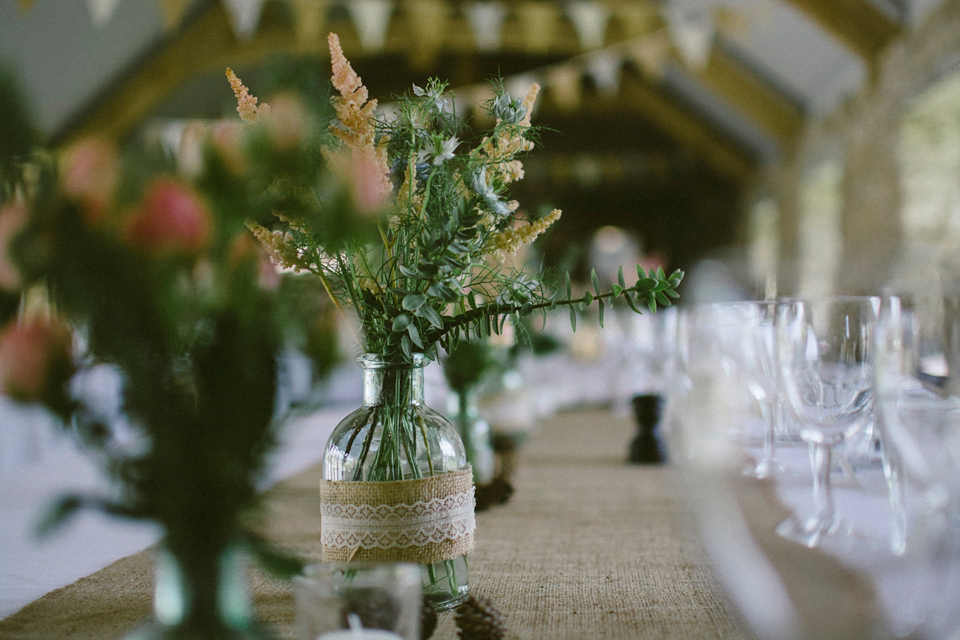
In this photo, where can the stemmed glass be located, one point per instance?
(918, 396)
(826, 357)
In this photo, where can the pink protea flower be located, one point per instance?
(35, 359)
(368, 182)
(13, 217)
(172, 219)
(89, 172)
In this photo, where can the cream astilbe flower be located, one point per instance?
(280, 246)
(356, 116)
(508, 242)
(246, 104)
(509, 142)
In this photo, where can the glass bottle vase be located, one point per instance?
(395, 437)
(201, 594)
(475, 433)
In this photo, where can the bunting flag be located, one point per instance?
(538, 22)
(428, 21)
(172, 12)
(371, 18)
(244, 16)
(638, 18)
(603, 67)
(25, 5)
(101, 11)
(486, 23)
(563, 83)
(590, 20)
(311, 17)
(691, 26)
(733, 24)
(650, 53)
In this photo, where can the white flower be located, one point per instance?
(440, 150)
(439, 102)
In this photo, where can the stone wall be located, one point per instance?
(864, 132)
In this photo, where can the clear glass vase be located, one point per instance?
(475, 433)
(201, 594)
(394, 436)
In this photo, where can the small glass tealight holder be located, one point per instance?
(358, 601)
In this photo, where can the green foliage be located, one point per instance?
(18, 135)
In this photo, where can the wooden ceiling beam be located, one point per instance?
(761, 103)
(863, 26)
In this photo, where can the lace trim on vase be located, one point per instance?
(387, 526)
(423, 520)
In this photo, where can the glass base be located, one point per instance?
(813, 532)
(445, 583)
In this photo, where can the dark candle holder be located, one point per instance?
(647, 446)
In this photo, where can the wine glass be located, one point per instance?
(918, 396)
(742, 334)
(825, 350)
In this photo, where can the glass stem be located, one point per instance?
(821, 459)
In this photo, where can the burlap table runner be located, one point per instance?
(587, 548)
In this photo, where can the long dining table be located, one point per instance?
(588, 547)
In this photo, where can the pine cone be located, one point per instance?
(498, 491)
(428, 619)
(477, 619)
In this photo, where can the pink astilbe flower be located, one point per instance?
(356, 121)
(246, 104)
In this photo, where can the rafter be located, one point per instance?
(862, 25)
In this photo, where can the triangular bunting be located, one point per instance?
(650, 53)
(486, 23)
(172, 12)
(244, 16)
(691, 26)
(604, 68)
(371, 18)
(563, 83)
(428, 21)
(310, 17)
(637, 18)
(539, 24)
(590, 20)
(733, 24)
(101, 11)
(25, 5)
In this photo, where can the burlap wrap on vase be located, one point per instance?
(425, 520)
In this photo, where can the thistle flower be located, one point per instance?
(507, 110)
(246, 104)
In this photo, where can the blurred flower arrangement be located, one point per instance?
(147, 264)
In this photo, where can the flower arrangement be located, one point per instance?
(407, 221)
(426, 264)
(148, 266)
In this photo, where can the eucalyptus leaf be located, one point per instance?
(414, 301)
(401, 322)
